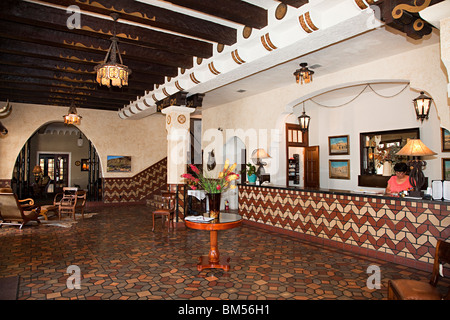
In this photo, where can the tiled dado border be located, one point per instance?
(137, 188)
(404, 232)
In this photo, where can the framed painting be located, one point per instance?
(445, 168)
(118, 164)
(339, 169)
(338, 145)
(445, 140)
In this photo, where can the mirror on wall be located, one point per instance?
(378, 154)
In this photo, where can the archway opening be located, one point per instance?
(56, 156)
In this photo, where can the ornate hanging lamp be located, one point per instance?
(303, 74)
(113, 73)
(72, 117)
(422, 106)
(304, 120)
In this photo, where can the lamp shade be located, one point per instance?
(260, 154)
(415, 147)
(37, 169)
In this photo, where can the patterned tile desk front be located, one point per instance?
(401, 230)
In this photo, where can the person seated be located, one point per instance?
(399, 182)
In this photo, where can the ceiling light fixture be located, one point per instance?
(303, 74)
(72, 117)
(304, 120)
(112, 73)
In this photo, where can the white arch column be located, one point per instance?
(177, 126)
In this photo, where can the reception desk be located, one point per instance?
(401, 230)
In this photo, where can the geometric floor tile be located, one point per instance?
(119, 258)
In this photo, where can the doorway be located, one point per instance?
(56, 167)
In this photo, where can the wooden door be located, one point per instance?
(312, 169)
(56, 166)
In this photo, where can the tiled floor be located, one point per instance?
(121, 258)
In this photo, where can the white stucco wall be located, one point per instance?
(144, 140)
(266, 113)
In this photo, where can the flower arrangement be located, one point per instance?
(212, 185)
(384, 154)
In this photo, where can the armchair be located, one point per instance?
(13, 213)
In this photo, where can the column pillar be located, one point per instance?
(177, 126)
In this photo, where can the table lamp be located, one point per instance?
(415, 148)
(257, 155)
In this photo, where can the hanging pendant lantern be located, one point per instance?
(304, 120)
(72, 117)
(113, 73)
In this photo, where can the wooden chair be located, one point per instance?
(73, 201)
(169, 199)
(13, 213)
(404, 289)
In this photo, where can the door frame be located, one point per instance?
(69, 154)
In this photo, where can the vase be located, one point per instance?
(387, 169)
(214, 204)
(251, 178)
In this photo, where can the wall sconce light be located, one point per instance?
(422, 106)
(303, 74)
(304, 120)
(415, 148)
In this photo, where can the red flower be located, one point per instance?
(194, 168)
(218, 187)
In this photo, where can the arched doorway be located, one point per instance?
(57, 156)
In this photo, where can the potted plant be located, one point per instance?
(251, 173)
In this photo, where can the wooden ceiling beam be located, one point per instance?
(60, 39)
(294, 3)
(237, 11)
(160, 18)
(56, 18)
(70, 55)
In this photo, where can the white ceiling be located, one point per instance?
(370, 46)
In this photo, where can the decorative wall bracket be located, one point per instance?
(403, 15)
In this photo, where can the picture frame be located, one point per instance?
(338, 145)
(85, 164)
(445, 140)
(118, 164)
(445, 168)
(339, 169)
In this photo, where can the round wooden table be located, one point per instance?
(224, 222)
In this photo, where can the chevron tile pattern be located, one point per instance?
(389, 228)
(137, 188)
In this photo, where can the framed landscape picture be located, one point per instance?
(338, 145)
(445, 168)
(118, 164)
(339, 169)
(445, 139)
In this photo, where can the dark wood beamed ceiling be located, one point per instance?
(43, 61)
